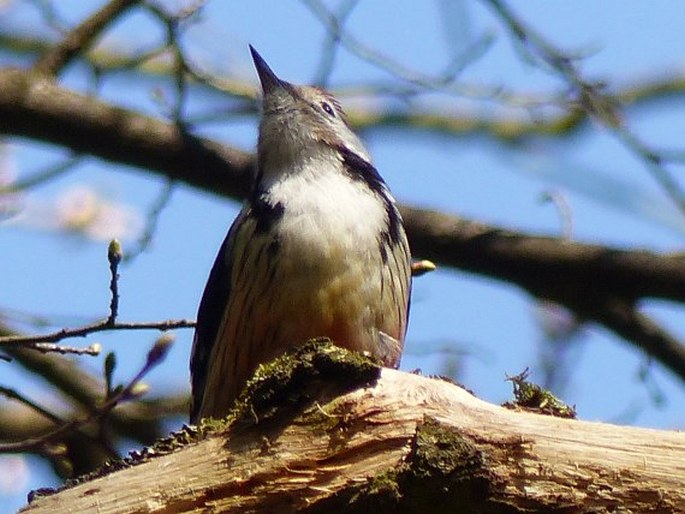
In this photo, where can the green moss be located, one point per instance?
(382, 493)
(316, 370)
(443, 473)
(439, 450)
(533, 398)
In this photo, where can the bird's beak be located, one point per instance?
(267, 77)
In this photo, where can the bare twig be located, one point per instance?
(330, 47)
(101, 326)
(182, 69)
(356, 47)
(592, 97)
(44, 343)
(13, 394)
(442, 82)
(114, 256)
(140, 420)
(79, 40)
(152, 219)
(92, 350)
(43, 176)
(563, 209)
(131, 391)
(50, 16)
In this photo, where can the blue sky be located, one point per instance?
(612, 198)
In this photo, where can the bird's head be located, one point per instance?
(299, 123)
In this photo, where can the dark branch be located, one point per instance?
(626, 321)
(564, 271)
(597, 283)
(33, 107)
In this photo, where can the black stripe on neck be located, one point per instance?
(266, 212)
(360, 169)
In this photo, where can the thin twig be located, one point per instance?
(50, 16)
(563, 209)
(43, 176)
(81, 38)
(93, 350)
(101, 326)
(181, 66)
(129, 392)
(139, 421)
(114, 256)
(332, 43)
(152, 219)
(591, 96)
(368, 54)
(13, 394)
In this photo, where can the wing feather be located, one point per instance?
(210, 315)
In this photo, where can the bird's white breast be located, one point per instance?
(329, 267)
(327, 214)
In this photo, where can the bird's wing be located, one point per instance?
(211, 314)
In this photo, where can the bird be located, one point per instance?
(318, 249)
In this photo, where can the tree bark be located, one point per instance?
(329, 432)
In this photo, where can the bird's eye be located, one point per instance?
(328, 109)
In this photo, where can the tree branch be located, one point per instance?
(626, 321)
(101, 326)
(130, 391)
(140, 420)
(37, 108)
(597, 283)
(326, 432)
(567, 272)
(81, 38)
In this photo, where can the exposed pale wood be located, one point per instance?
(521, 461)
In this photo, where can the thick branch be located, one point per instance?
(568, 272)
(34, 107)
(597, 283)
(402, 443)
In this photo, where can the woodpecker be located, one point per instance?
(318, 249)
